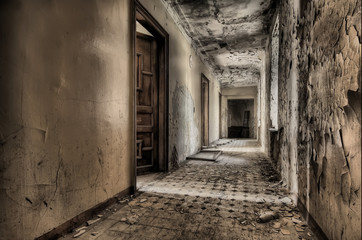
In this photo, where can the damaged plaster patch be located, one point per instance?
(184, 130)
(329, 146)
(227, 34)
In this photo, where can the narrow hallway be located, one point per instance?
(180, 119)
(238, 196)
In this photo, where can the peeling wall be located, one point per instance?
(185, 90)
(327, 46)
(65, 110)
(274, 75)
(264, 87)
(229, 35)
(288, 94)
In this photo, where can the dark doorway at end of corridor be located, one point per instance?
(241, 118)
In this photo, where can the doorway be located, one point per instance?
(205, 110)
(150, 94)
(241, 118)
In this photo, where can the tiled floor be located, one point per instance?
(205, 200)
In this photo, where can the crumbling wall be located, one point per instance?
(288, 96)
(329, 109)
(65, 110)
(185, 69)
(265, 99)
(274, 54)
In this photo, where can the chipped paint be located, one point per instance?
(326, 46)
(229, 35)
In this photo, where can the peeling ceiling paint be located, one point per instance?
(229, 34)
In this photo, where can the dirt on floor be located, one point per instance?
(237, 197)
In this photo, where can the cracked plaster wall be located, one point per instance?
(66, 98)
(288, 97)
(65, 110)
(327, 46)
(185, 90)
(274, 75)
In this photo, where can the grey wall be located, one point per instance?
(65, 110)
(321, 58)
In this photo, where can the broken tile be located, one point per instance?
(299, 229)
(296, 221)
(287, 214)
(285, 231)
(277, 225)
(268, 216)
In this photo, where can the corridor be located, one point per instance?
(238, 196)
(180, 119)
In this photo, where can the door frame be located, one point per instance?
(203, 114)
(255, 99)
(141, 15)
(220, 115)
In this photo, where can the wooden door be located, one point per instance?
(147, 103)
(205, 110)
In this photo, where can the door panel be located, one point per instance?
(147, 103)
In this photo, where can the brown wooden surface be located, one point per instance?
(147, 102)
(162, 40)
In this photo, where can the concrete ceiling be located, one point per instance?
(230, 35)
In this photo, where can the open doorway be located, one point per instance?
(151, 94)
(241, 118)
(205, 110)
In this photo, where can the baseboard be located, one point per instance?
(83, 217)
(311, 222)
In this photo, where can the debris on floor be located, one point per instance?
(218, 143)
(130, 220)
(227, 199)
(205, 155)
(284, 231)
(90, 222)
(268, 216)
(79, 232)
